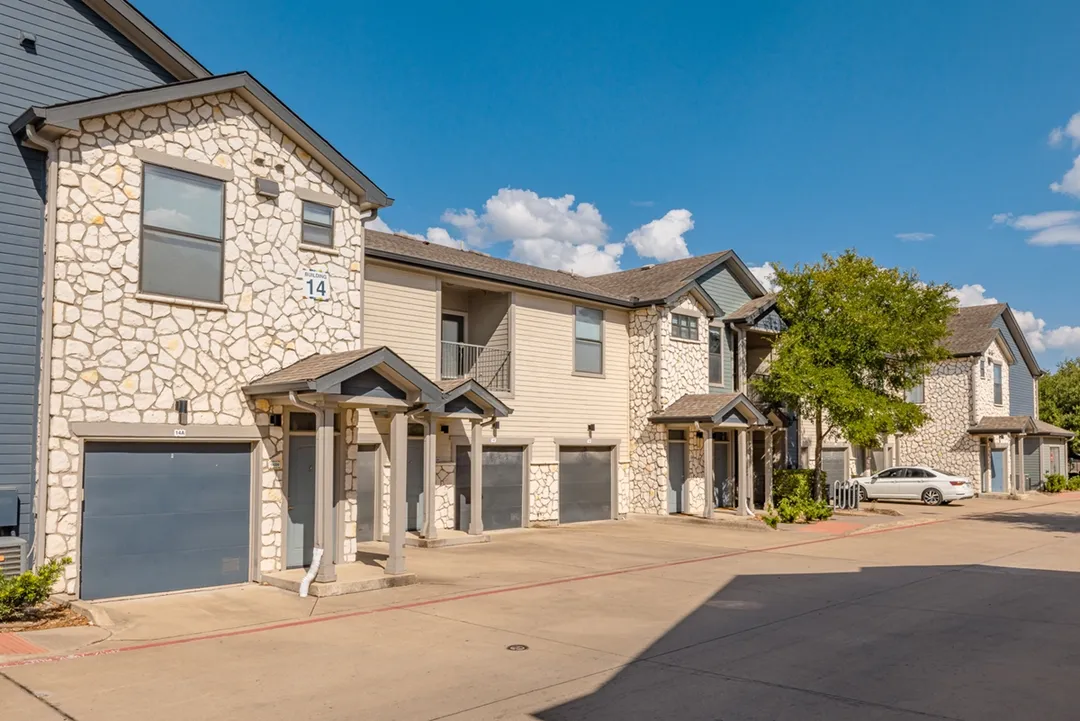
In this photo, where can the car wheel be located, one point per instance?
(932, 497)
(945, 503)
(864, 497)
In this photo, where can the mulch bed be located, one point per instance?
(47, 615)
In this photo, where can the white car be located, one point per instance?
(930, 486)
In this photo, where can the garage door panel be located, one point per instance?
(503, 476)
(585, 484)
(164, 517)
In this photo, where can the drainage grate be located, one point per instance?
(517, 647)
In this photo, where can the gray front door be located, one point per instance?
(502, 476)
(723, 494)
(164, 517)
(834, 463)
(759, 468)
(368, 467)
(676, 494)
(997, 471)
(414, 485)
(585, 484)
(300, 533)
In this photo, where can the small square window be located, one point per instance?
(916, 394)
(318, 225)
(684, 326)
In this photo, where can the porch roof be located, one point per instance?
(1042, 428)
(752, 310)
(471, 390)
(997, 425)
(712, 408)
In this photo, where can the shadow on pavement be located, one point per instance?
(916, 642)
(1053, 522)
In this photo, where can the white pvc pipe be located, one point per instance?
(316, 558)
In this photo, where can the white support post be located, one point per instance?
(476, 480)
(745, 477)
(768, 466)
(707, 449)
(430, 529)
(399, 457)
(324, 494)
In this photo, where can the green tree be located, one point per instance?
(858, 336)
(1059, 398)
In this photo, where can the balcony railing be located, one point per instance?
(488, 366)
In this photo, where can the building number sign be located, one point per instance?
(316, 284)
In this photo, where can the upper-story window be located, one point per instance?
(684, 326)
(916, 394)
(982, 368)
(716, 356)
(183, 230)
(588, 340)
(318, 224)
(998, 398)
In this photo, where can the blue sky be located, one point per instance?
(782, 130)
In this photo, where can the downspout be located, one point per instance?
(363, 269)
(45, 384)
(317, 551)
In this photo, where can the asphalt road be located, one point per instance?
(968, 618)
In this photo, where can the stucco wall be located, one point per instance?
(124, 359)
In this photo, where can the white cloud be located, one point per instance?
(663, 238)
(586, 259)
(1070, 182)
(1071, 130)
(1052, 227)
(1034, 328)
(766, 275)
(915, 237)
(434, 235)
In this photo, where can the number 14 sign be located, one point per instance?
(316, 284)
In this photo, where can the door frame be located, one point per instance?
(612, 444)
(376, 439)
(110, 432)
(464, 315)
(526, 464)
(730, 444)
(339, 485)
(684, 442)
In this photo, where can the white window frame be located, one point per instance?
(601, 342)
(999, 384)
(723, 346)
(921, 385)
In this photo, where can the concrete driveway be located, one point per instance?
(962, 617)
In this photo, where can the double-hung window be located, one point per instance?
(998, 399)
(183, 231)
(684, 326)
(716, 356)
(916, 394)
(318, 224)
(588, 340)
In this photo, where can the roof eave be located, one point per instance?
(149, 38)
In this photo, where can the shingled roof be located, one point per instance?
(656, 282)
(971, 329)
(749, 310)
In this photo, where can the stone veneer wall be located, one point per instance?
(544, 493)
(943, 441)
(119, 357)
(685, 369)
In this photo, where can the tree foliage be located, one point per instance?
(1059, 399)
(858, 336)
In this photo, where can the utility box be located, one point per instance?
(13, 560)
(9, 511)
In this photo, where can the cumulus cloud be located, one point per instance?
(1053, 227)
(1070, 130)
(433, 235)
(586, 259)
(1040, 339)
(914, 237)
(766, 275)
(663, 238)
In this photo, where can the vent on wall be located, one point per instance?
(12, 556)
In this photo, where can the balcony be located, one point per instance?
(474, 336)
(488, 366)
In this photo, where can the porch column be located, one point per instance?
(430, 530)
(768, 466)
(707, 447)
(399, 457)
(324, 494)
(1020, 464)
(745, 467)
(476, 481)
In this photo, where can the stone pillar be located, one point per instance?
(476, 481)
(1020, 485)
(430, 525)
(399, 457)
(740, 366)
(768, 466)
(324, 494)
(743, 477)
(707, 449)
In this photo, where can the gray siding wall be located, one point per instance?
(727, 293)
(1032, 451)
(1021, 384)
(78, 56)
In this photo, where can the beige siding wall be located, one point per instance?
(551, 402)
(400, 312)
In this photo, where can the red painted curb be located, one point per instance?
(488, 592)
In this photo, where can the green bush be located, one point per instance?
(22, 592)
(817, 510)
(771, 518)
(1073, 484)
(792, 483)
(1055, 483)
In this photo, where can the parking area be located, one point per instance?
(964, 618)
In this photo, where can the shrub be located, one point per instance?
(771, 518)
(1055, 483)
(792, 483)
(22, 592)
(1073, 484)
(817, 510)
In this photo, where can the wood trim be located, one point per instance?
(176, 162)
(109, 430)
(314, 196)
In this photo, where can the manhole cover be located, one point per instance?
(517, 647)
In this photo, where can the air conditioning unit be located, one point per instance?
(13, 560)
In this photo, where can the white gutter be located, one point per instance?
(45, 384)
